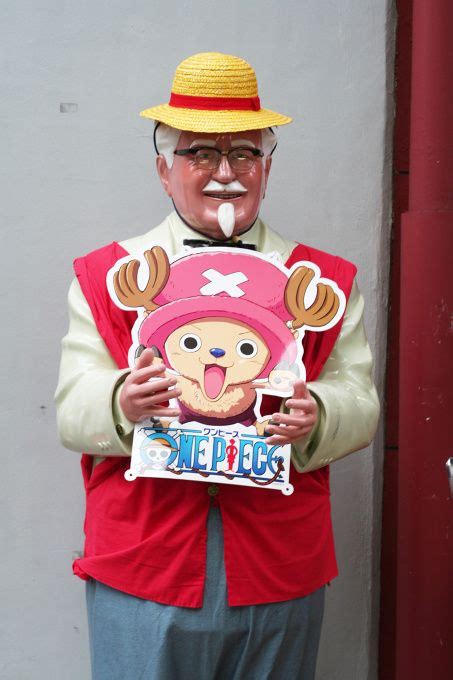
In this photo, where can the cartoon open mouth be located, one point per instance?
(214, 378)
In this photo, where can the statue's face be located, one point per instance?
(195, 190)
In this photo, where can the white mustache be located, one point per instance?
(232, 187)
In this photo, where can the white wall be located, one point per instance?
(75, 181)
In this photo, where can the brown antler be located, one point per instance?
(125, 280)
(324, 307)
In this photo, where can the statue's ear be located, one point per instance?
(267, 169)
(164, 173)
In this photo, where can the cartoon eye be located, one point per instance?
(190, 342)
(247, 348)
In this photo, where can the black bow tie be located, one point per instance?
(201, 243)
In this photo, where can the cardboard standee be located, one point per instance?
(229, 325)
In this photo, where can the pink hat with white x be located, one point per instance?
(229, 284)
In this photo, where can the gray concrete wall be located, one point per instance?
(72, 181)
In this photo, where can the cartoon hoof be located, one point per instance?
(261, 428)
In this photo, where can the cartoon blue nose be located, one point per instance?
(217, 352)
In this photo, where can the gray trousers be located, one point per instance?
(135, 639)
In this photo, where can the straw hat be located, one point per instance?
(214, 92)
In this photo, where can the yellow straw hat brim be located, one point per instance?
(215, 92)
(196, 120)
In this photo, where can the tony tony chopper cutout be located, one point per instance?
(229, 325)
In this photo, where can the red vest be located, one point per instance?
(148, 537)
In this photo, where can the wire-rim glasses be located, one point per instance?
(241, 159)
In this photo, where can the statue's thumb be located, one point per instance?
(146, 358)
(300, 390)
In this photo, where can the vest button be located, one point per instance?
(213, 490)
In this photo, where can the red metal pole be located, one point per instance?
(389, 543)
(424, 597)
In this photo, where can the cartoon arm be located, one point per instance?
(280, 379)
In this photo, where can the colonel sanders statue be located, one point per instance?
(189, 579)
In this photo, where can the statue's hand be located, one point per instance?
(146, 388)
(287, 428)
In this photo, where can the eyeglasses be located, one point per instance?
(241, 159)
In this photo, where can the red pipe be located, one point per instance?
(424, 596)
(389, 543)
(431, 151)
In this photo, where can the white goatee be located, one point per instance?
(226, 218)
